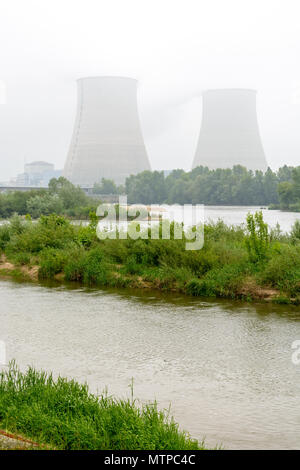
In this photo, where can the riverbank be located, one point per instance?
(248, 263)
(249, 290)
(63, 414)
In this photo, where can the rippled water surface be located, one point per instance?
(225, 367)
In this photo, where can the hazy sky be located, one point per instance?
(175, 48)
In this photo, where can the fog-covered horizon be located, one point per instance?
(175, 49)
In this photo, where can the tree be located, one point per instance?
(70, 195)
(44, 205)
(286, 194)
(146, 188)
(105, 187)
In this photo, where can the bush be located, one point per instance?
(22, 258)
(51, 262)
(49, 232)
(86, 236)
(88, 267)
(5, 234)
(75, 266)
(96, 269)
(257, 242)
(283, 268)
(224, 282)
(295, 233)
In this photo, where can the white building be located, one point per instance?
(36, 174)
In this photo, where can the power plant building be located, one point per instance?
(107, 140)
(229, 133)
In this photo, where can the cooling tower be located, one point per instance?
(107, 140)
(229, 133)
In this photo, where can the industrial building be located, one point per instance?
(107, 140)
(229, 133)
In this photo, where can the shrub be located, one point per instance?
(52, 262)
(22, 258)
(75, 266)
(86, 236)
(95, 268)
(283, 268)
(224, 282)
(5, 234)
(295, 233)
(88, 267)
(257, 242)
(132, 266)
(49, 232)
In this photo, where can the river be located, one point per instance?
(231, 215)
(225, 367)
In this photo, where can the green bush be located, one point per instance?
(295, 233)
(52, 262)
(88, 267)
(86, 236)
(257, 242)
(49, 232)
(21, 258)
(5, 234)
(96, 269)
(75, 266)
(223, 282)
(283, 269)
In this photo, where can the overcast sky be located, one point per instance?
(175, 48)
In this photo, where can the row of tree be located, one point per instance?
(236, 186)
(62, 198)
(289, 191)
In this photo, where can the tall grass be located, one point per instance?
(64, 415)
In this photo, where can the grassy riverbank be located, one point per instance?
(63, 414)
(248, 262)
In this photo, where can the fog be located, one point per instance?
(174, 48)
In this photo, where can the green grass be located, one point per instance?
(63, 414)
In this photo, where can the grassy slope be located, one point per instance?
(63, 415)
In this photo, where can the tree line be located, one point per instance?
(236, 186)
(62, 198)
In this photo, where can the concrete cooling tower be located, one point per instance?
(107, 140)
(229, 134)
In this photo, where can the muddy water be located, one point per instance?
(225, 367)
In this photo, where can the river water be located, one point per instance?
(231, 215)
(225, 367)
